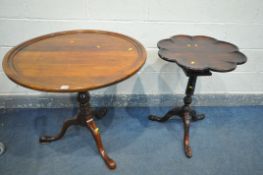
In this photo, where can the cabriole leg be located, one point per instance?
(95, 133)
(85, 118)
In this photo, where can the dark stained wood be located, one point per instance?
(84, 118)
(74, 61)
(201, 53)
(185, 112)
(95, 132)
(197, 56)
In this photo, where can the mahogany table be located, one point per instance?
(197, 56)
(75, 61)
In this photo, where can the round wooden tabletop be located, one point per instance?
(74, 61)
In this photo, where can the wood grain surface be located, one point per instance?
(74, 61)
(201, 53)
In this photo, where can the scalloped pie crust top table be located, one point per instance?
(197, 56)
(75, 61)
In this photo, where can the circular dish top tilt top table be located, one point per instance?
(75, 61)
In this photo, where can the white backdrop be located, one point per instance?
(236, 21)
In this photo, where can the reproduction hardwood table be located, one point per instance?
(197, 56)
(75, 61)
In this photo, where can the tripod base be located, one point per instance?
(85, 118)
(187, 117)
(185, 112)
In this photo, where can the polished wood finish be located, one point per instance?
(74, 61)
(197, 56)
(201, 53)
(84, 118)
(185, 112)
